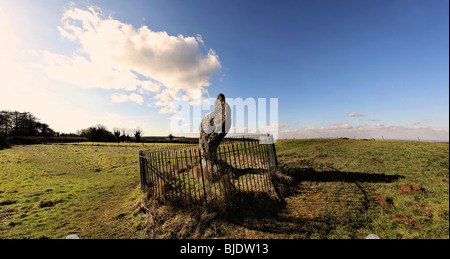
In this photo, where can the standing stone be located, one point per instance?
(213, 128)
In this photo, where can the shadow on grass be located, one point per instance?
(311, 211)
(3, 144)
(300, 175)
(309, 204)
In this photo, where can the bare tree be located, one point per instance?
(138, 134)
(123, 134)
(117, 134)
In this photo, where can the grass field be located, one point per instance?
(50, 191)
(350, 188)
(341, 189)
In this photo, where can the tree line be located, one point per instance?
(19, 124)
(15, 124)
(100, 133)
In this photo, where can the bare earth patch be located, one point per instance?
(407, 189)
(377, 162)
(406, 220)
(381, 200)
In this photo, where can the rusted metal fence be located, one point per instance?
(177, 174)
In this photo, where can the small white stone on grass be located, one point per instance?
(72, 236)
(372, 236)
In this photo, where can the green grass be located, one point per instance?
(50, 191)
(342, 175)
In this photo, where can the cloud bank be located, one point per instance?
(365, 131)
(115, 55)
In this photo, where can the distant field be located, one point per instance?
(343, 189)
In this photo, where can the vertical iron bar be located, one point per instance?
(193, 175)
(149, 173)
(141, 165)
(228, 172)
(269, 155)
(250, 164)
(266, 167)
(231, 167)
(170, 173)
(169, 166)
(233, 147)
(267, 164)
(188, 181)
(184, 177)
(222, 176)
(258, 155)
(256, 159)
(203, 179)
(152, 175)
(145, 171)
(164, 174)
(250, 180)
(244, 179)
(266, 157)
(158, 182)
(176, 177)
(274, 151)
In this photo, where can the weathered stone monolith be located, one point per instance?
(213, 128)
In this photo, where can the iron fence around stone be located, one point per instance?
(175, 174)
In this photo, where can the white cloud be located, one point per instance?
(276, 125)
(365, 131)
(166, 110)
(166, 97)
(113, 54)
(120, 98)
(80, 71)
(178, 118)
(355, 114)
(336, 126)
(150, 86)
(175, 61)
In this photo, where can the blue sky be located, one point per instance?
(338, 68)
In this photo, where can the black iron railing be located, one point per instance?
(178, 173)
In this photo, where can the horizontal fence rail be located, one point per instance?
(179, 173)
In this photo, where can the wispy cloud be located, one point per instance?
(120, 98)
(355, 114)
(178, 118)
(166, 110)
(365, 131)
